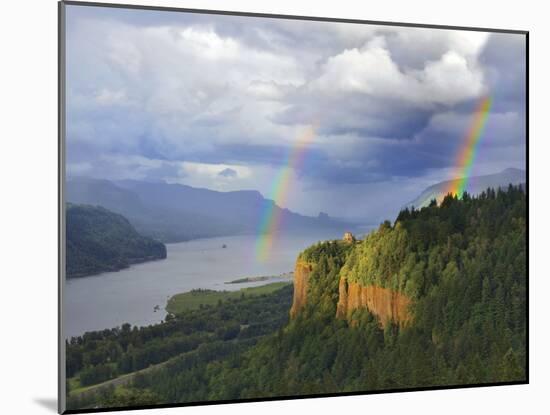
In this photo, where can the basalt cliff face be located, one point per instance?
(387, 305)
(302, 272)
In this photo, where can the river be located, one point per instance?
(129, 296)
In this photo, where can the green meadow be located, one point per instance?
(194, 299)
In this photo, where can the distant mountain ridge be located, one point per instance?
(475, 186)
(175, 212)
(99, 240)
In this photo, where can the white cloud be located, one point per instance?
(207, 44)
(106, 96)
(209, 89)
(467, 42)
(370, 70)
(212, 171)
(450, 80)
(183, 81)
(195, 88)
(262, 90)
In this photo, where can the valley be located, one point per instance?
(435, 298)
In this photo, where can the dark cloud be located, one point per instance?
(149, 91)
(504, 60)
(227, 172)
(358, 114)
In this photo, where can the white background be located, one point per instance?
(28, 227)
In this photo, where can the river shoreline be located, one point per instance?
(288, 275)
(130, 295)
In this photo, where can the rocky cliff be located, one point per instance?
(345, 281)
(384, 303)
(301, 277)
(387, 305)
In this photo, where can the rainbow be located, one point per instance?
(271, 217)
(468, 151)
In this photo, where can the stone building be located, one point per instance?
(348, 237)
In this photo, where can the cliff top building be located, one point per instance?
(348, 237)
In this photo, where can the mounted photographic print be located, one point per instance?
(261, 207)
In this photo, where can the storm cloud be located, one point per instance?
(221, 101)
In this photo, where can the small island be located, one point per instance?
(243, 280)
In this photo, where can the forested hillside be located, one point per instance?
(474, 186)
(99, 240)
(462, 266)
(192, 339)
(480, 241)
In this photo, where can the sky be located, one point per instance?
(220, 102)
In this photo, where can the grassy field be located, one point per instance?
(248, 279)
(194, 299)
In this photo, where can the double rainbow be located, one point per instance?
(272, 215)
(468, 151)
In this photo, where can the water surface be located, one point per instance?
(130, 295)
